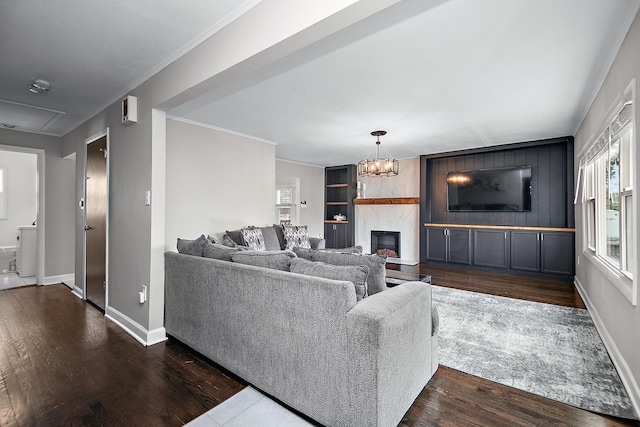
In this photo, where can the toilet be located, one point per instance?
(7, 254)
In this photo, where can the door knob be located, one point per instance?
(86, 227)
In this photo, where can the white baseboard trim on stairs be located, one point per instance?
(620, 363)
(137, 331)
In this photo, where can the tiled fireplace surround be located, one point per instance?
(402, 218)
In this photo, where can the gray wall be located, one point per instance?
(20, 186)
(216, 181)
(311, 190)
(617, 318)
(59, 200)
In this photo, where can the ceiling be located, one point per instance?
(436, 75)
(93, 52)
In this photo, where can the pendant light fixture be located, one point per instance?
(378, 167)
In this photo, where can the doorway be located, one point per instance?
(95, 223)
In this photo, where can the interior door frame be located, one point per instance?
(93, 138)
(40, 154)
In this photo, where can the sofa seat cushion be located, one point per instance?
(192, 247)
(349, 250)
(377, 266)
(296, 236)
(218, 251)
(356, 274)
(276, 260)
(253, 238)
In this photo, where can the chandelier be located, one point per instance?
(378, 167)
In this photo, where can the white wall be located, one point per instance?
(21, 171)
(216, 181)
(402, 218)
(618, 320)
(311, 190)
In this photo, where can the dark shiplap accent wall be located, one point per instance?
(552, 183)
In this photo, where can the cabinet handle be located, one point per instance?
(541, 237)
(505, 235)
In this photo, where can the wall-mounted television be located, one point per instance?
(490, 190)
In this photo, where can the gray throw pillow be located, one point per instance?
(235, 236)
(276, 260)
(218, 251)
(280, 234)
(356, 274)
(192, 247)
(377, 266)
(271, 242)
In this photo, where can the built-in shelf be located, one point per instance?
(337, 185)
(502, 227)
(335, 221)
(337, 203)
(387, 201)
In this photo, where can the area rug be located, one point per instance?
(544, 349)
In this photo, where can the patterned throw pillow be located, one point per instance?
(253, 238)
(296, 236)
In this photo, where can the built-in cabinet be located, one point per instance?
(511, 249)
(449, 245)
(340, 191)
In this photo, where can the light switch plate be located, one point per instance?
(147, 198)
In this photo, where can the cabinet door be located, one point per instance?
(342, 235)
(490, 248)
(459, 245)
(556, 253)
(436, 244)
(329, 236)
(525, 250)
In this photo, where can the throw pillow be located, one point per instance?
(253, 238)
(218, 251)
(280, 234)
(296, 236)
(276, 260)
(271, 242)
(377, 266)
(235, 236)
(356, 274)
(191, 247)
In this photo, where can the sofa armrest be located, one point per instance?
(391, 351)
(317, 242)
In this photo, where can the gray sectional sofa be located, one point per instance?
(307, 341)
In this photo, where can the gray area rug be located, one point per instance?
(548, 350)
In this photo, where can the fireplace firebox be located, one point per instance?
(385, 243)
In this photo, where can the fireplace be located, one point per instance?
(385, 243)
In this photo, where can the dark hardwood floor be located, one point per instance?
(62, 363)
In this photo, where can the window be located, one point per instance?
(608, 170)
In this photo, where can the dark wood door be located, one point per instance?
(490, 248)
(525, 250)
(556, 253)
(436, 244)
(96, 222)
(459, 245)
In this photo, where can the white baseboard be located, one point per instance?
(62, 278)
(137, 331)
(626, 375)
(77, 292)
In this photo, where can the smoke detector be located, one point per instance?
(39, 86)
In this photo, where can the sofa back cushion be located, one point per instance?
(356, 274)
(377, 266)
(276, 260)
(218, 251)
(191, 247)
